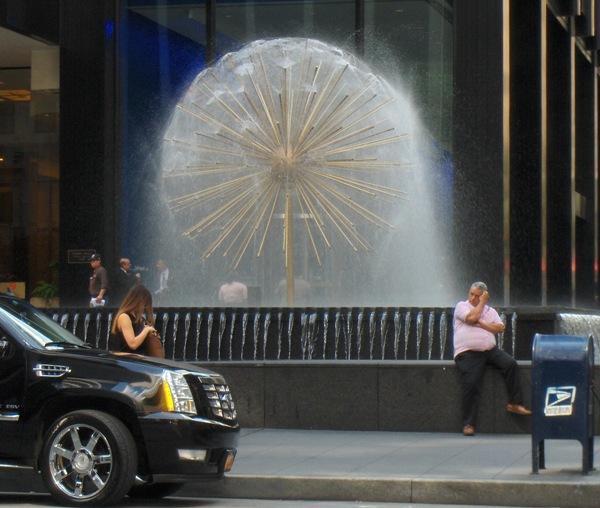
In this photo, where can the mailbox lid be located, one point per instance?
(562, 348)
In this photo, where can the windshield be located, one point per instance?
(38, 329)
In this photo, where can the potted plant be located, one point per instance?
(45, 294)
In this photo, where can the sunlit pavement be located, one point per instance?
(405, 467)
(362, 469)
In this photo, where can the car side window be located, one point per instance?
(12, 371)
(7, 347)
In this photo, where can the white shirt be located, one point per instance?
(164, 280)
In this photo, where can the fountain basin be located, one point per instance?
(343, 333)
(344, 368)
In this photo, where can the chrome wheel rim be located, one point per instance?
(80, 461)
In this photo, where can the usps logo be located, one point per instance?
(560, 400)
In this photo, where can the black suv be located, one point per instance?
(101, 425)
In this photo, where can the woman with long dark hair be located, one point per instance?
(130, 333)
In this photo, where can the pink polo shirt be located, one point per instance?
(468, 337)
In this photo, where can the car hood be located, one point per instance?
(130, 360)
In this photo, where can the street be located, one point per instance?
(40, 500)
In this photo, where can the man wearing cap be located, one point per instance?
(98, 281)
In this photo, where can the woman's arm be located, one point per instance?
(125, 326)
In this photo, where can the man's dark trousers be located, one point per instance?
(471, 366)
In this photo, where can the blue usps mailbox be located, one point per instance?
(562, 403)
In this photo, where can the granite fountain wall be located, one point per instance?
(346, 368)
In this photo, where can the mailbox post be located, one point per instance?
(562, 403)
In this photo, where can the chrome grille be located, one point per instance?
(219, 398)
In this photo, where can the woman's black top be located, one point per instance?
(117, 343)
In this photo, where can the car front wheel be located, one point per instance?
(88, 458)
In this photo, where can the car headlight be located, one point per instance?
(178, 396)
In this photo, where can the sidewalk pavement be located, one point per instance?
(405, 467)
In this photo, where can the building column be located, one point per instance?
(89, 197)
(525, 99)
(478, 196)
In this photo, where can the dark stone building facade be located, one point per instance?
(522, 132)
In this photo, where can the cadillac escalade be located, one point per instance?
(98, 425)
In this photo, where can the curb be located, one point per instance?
(424, 491)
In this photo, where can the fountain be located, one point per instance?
(250, 334)
(328, 333)
(291, 158)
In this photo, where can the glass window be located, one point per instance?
(29, 180)
(238, 23)
(165, 47)
(414, 38)
(7, 117)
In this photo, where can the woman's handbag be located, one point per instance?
(154, 346)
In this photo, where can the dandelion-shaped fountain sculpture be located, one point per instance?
(283, 129)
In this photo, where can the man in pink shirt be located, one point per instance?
(475, 327)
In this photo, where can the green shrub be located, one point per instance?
(45, 290)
